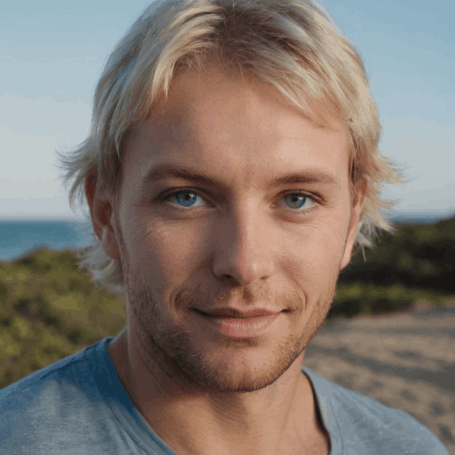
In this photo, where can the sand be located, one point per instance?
(405, 361)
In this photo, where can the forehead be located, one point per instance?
(226, 126)
(225, 92)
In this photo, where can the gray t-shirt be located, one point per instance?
(78, 406)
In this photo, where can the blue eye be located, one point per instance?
(186, 198)
(297, 200)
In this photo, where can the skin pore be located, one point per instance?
(234, 242)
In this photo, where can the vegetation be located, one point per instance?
(416, 264)
(421, 256)
(49, 309)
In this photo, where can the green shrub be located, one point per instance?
(48, 310)
(361, 299)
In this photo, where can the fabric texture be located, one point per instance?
(78, 406)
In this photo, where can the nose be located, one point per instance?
(244, 248)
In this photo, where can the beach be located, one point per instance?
(403, 360)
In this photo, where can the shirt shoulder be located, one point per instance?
(75, 405)
(33, 408)
(358, 424)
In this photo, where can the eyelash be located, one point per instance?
(167, 194)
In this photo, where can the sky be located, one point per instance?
(52, 54)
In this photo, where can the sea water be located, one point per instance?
(20, 237)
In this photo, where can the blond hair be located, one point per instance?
(291, 45)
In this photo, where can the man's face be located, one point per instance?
(239, 242)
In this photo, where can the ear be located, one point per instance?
(102, 214)
(353, 223)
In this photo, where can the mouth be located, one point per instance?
(243, 326)
(230, 312)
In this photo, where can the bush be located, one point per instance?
(48, 310)
(358, 299)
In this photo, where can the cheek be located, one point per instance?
(165, 251)
(323, 240)
(315, 254)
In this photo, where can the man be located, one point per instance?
(227, 213)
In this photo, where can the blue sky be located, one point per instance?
(52, 54)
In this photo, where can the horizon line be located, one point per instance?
(391, 214)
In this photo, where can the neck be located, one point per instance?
(280, 418)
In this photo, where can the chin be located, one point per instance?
(241, 365)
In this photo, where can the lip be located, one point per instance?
(230, 312)
(241, 327)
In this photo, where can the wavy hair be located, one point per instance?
(292, 45)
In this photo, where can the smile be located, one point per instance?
(240, 327)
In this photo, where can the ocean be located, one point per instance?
(18, 238)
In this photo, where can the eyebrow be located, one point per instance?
(163, 171)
